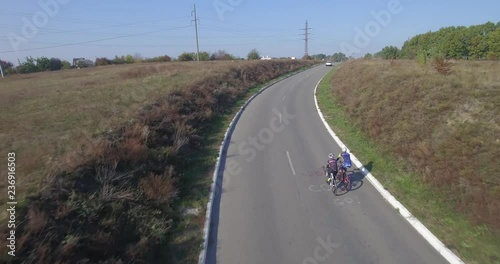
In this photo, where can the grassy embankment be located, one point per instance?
(108, 159)
(432, 141)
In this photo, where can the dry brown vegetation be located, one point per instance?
(116, 141)
(444, 126)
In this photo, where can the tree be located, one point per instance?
(6, 65)
(389, 53)
(85, 63)
(66, 65)
(306, 57)
(204, 56)
(187, 56)
(338, 57)
(42, 63)
(138, 57)
(222, 55)
(368, 56)
(452, 42)
(129, 59)
(55, 64)
(493, 42)
(27, 66)
(254, 54)
(119, 60)
(320, 56)
(102, 61)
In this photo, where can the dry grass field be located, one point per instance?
(108, 158)
(433, 139)
(43, 115)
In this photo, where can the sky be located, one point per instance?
(69, 29)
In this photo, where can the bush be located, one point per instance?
(164, 58)
(204, 56)
(102, 61)
(66, 65)
(29, 66)
(253, 55)
(6, 65)
(389, 53)
(222, 55)
(119, 60)
(421, 57)
(55, 64)
(187, 56)
(442, 65)
(43, 64)
(85, 63)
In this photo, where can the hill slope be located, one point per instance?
(445, 127)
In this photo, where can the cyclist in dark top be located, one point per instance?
(331, 167)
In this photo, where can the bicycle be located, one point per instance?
(333, 180)
(345, 181)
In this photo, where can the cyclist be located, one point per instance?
(331, 167)
(345, 159)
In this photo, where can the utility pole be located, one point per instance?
(306, 34)
(1, 70)
(196, 29)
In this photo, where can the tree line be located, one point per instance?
(336, 57)
(31, 65)
(476, 42)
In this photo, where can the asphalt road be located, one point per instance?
(275, 206)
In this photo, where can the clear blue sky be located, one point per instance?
(153, 28)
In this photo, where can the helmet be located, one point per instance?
(331, 156)
(344, 149)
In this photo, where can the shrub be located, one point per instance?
(55, 64)
(28, 66)
(222, 55)
(187, 56)
(164, 58)
(6, 65)
(66, 65)
(421, 57)
(102, 61)
(253, 55)
(442, 65)
(43, 64)
(119, 60)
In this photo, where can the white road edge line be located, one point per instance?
(290, 162)
(216, 181)
(426, 233)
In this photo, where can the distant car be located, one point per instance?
(329, 63)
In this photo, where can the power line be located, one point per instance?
(80, 21)
(58, 31)
(91, 41)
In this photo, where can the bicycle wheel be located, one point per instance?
(336, 185)
(347, 182)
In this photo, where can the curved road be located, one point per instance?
(275, 206)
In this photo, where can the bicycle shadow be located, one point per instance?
(357, 176)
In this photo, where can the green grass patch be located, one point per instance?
(473, 243)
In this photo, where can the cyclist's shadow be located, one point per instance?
(357, 176)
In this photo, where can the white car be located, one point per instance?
(329, 63)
